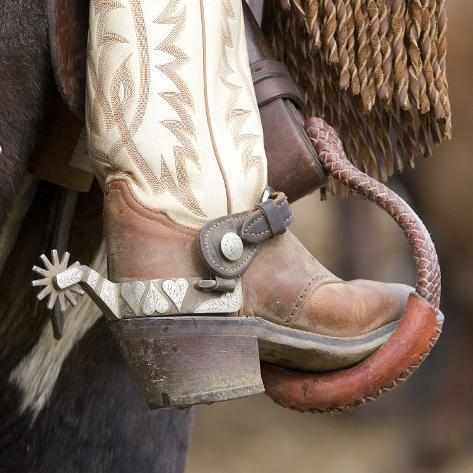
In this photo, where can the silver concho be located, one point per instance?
(231, 246)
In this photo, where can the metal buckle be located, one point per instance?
(267, 193)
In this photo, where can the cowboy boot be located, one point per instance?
(201, 262)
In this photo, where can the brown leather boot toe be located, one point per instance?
(287, 286)
(352, 308)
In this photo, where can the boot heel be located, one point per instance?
(181, 361)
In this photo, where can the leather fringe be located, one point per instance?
(374, 69)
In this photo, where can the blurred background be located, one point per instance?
(426, 425)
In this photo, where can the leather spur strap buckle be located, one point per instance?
(229, 244)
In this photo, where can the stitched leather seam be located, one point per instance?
(173, 226)
(257, 218)
(315, 283)
(266, 231)
(207, 111)
(299, 301)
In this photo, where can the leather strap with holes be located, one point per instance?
(267, 220)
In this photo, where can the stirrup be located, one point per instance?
(420, 325)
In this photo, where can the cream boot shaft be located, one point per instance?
(171, 106)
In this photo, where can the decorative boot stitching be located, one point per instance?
(122, 93)
(207, 111)
(182, 103)
(308, 289)
(236, 117)
(123, 97)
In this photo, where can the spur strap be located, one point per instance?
(229, 244)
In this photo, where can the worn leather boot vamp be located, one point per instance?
(283, 285)
(287, 285)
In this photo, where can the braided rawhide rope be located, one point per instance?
(419, 327)
(331, 154)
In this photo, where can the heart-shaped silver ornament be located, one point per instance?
(154, 301)
(132, 292)
(176, 290)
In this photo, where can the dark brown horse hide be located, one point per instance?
(26, 84)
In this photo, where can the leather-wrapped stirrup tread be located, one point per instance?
(420, 325)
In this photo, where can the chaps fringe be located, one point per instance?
(374, 69)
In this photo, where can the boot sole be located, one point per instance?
(186, 360)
